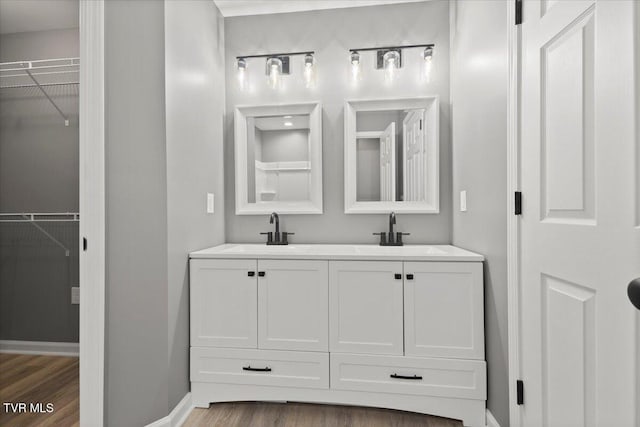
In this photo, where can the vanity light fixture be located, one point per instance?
(389, 58)
(277, 65)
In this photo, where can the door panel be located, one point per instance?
(580, 245)
(443, 310)
(223, 303)
(293, 305)
(366, 314)
(388, 163)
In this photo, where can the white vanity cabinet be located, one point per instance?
(398, 328)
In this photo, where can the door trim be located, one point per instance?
(513, 221)
(92, 211)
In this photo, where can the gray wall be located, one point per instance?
(194, 38)
(136, 353)
(368, 169)
(479, 85)
(331, 33)
(38, 173)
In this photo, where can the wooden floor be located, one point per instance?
(40, 379)
(261, 414)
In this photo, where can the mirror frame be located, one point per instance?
(312, 206)
(431, 106)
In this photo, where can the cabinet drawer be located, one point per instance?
(260, 367)
(409, 375)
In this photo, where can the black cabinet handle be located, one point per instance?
(251, 273)
(633, 291)
(405, 377)
(409, 276)
(261, 273)
(398, 276)
(249, 368)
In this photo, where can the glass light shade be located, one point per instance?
(274, 70)
(355, 66)
(428, 63)
(309, 71)
(391, 60)
(242, 73)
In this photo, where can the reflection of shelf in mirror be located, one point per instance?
(369, 134)
(283, 166)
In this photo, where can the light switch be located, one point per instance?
(463, 201)
(75, 295)
(210, 203)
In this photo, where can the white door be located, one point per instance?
(414, 157)
(223, 298)
(444, 309)
(293, 305)
(580, 235)
(388, 163)
(365, 314)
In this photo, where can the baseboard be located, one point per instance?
(178, 416)
(491, 421)
(43, 348)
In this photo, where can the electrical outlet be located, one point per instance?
(210, 205)
(75, 295)
(463, 201)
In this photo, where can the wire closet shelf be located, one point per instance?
(34, 218)
(41, 74)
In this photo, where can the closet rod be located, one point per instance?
(66, 119)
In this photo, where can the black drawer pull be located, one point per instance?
(249, 368)
(261, 273)
(405, 377)
(398, 276)
(251, 273)
(409, 276)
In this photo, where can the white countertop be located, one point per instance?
(338, 252)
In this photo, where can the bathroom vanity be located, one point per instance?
(390, 327)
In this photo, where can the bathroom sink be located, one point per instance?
(407, 250)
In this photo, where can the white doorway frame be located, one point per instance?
(513, 221)
(92, 213)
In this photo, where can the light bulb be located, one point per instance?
(274, 69)
(428, 63)
(309, 70)
(391, 64)
(355, 66)
(242, 71)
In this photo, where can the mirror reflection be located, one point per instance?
(278, 158)
(391, 155)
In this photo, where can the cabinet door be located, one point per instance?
(223, 303)
(444, 309)
(365, 313)
(293, 305)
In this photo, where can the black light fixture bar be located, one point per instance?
(409, 46)
(276, 55)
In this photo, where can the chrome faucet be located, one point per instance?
(276, 238)
(391, 238)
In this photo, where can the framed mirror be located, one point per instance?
(391, 155)
(278, 158)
